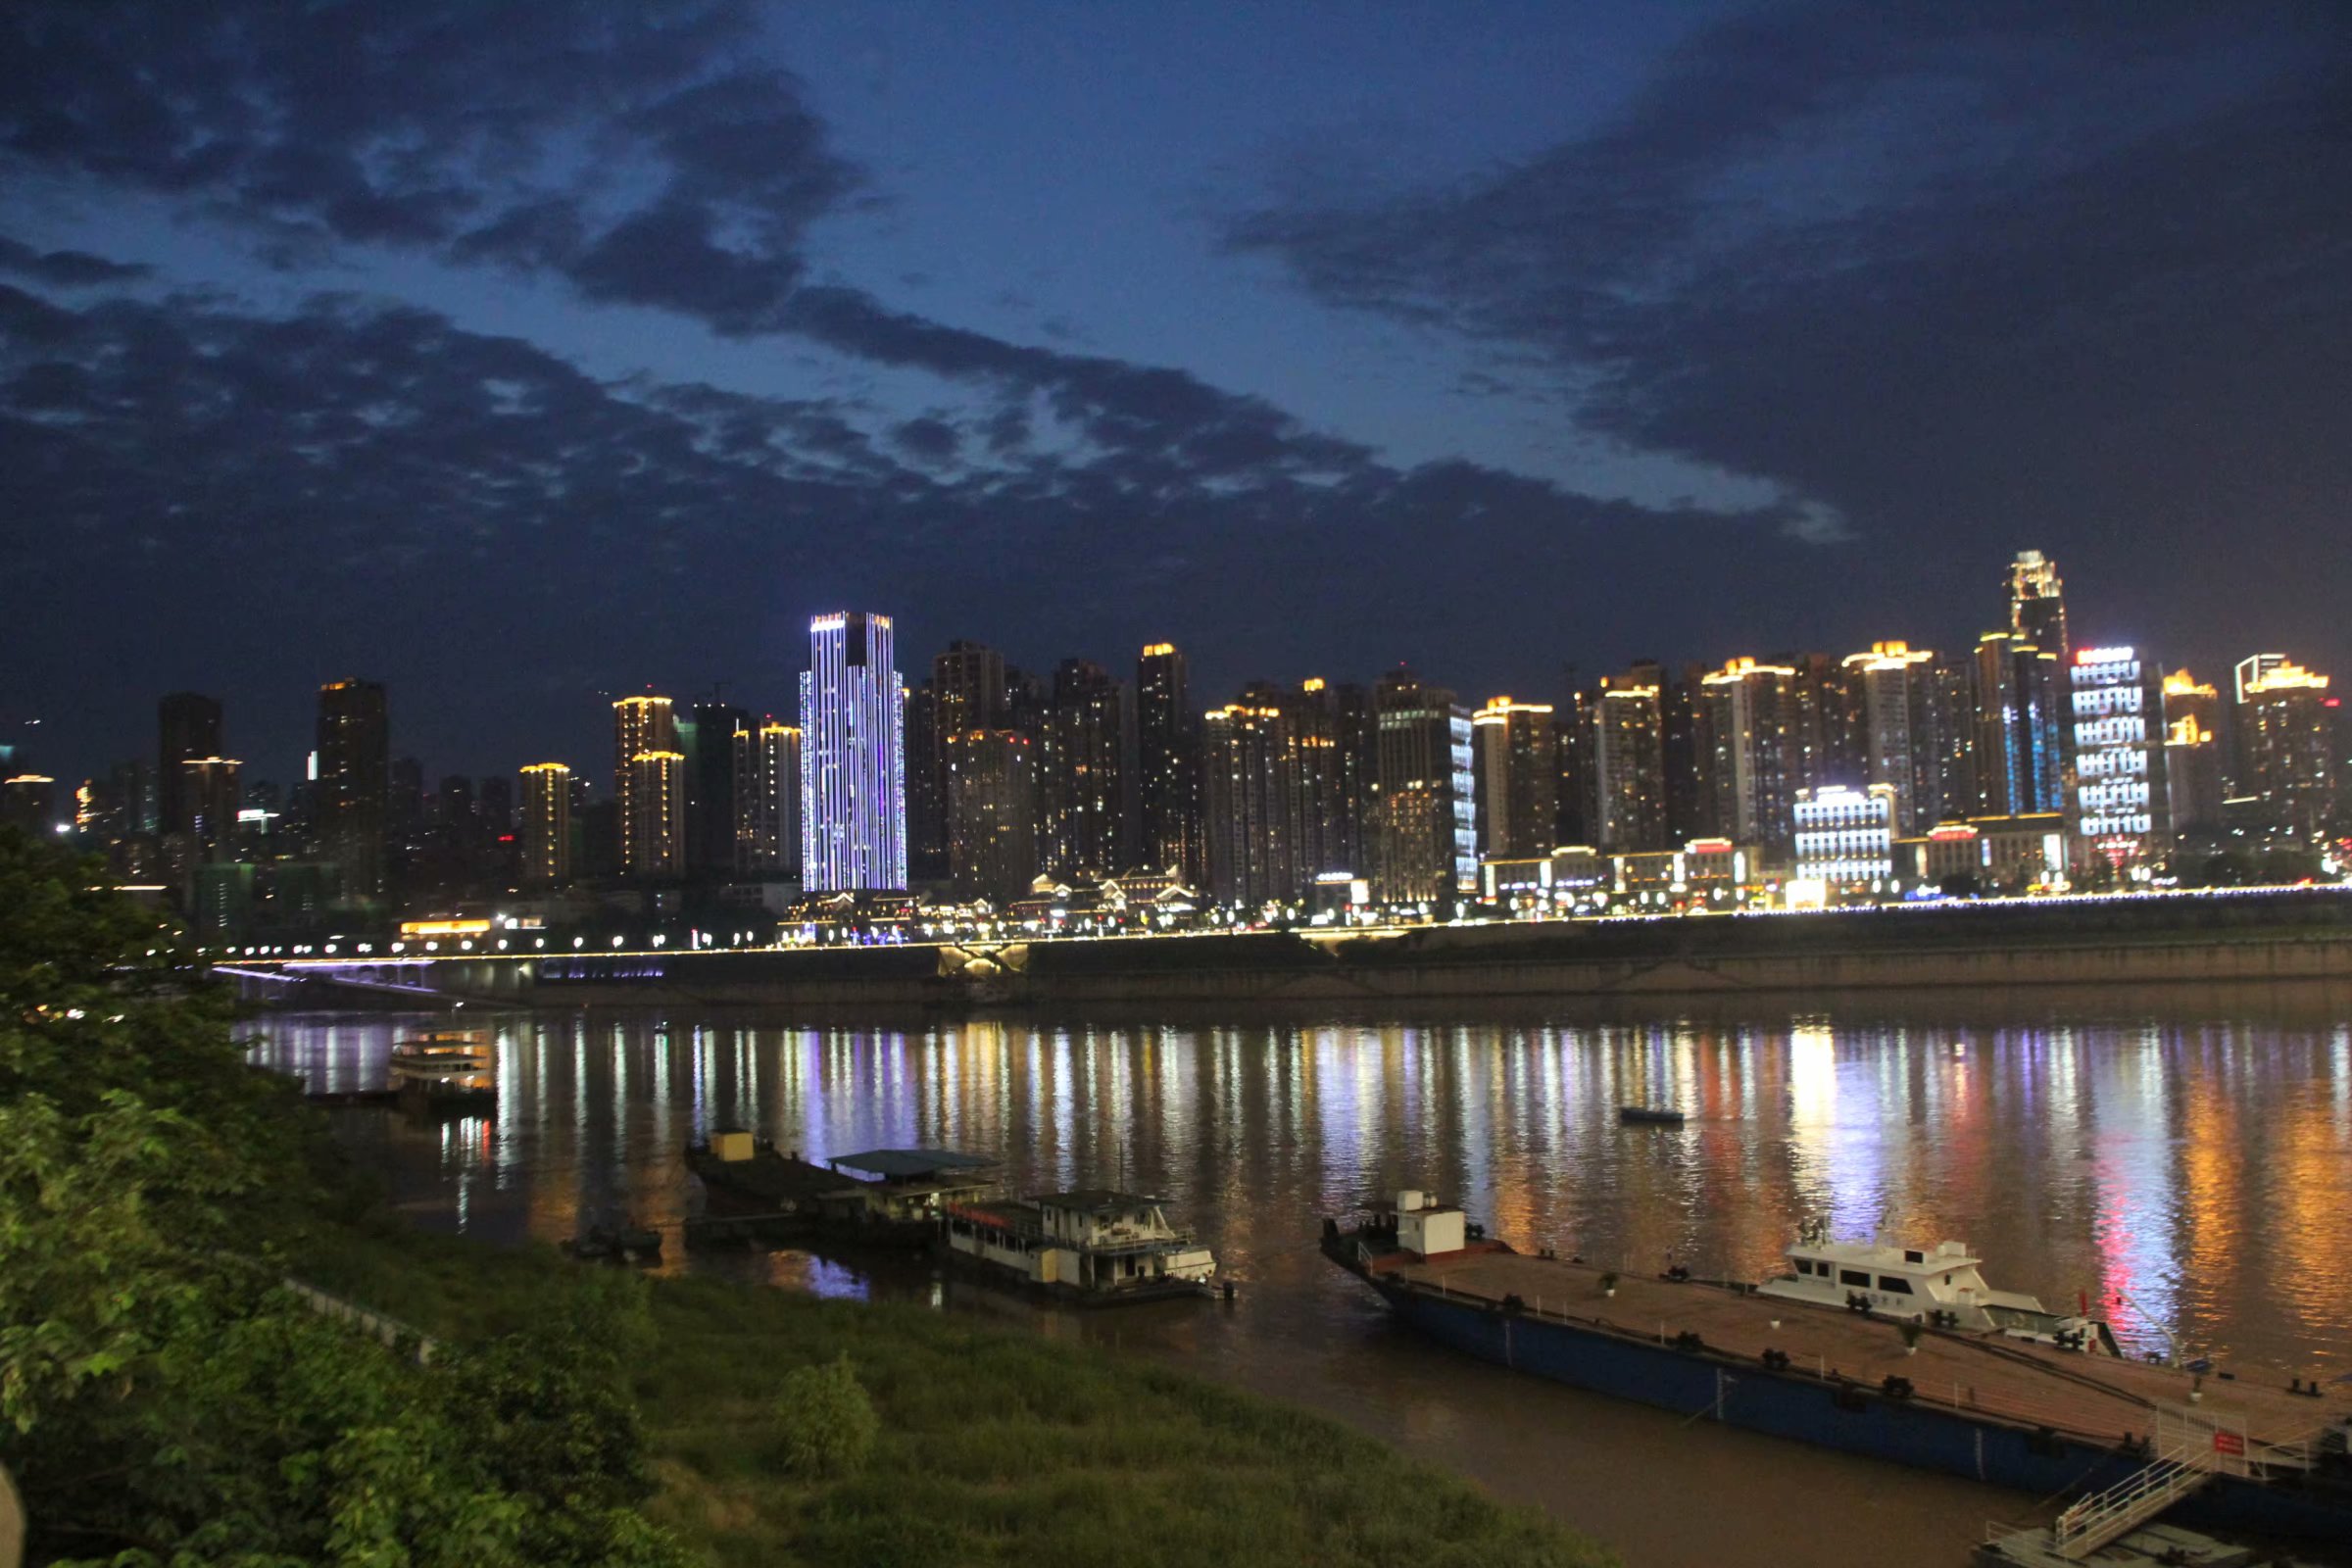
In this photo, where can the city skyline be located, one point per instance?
(1489, 342)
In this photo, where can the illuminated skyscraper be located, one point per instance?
(992, 810)
(2249, 669)
(2037, 603)
(926, 769)
(2117, 710)
(2192, 753)
(1516, 766)
(1083, 788)
(210, 795)
(1750, 709)
(1168, 782)
(354, 784)
(656, 831)
(1424, 835)
(2020, 747)
(640, 724)
(188, 725)
(1893, 699)
(1250, 760)
(853, 757)
(546, 828)
(1333, 725)
(2288, 718)
(1628, 762)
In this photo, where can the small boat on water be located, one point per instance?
(1940, 1285)
(445, 1067)
(1975, 1383)
(1649, 1116)
(1094, 1246)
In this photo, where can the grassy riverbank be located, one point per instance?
(995, 1447)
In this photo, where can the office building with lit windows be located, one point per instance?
(1425, 811)
(1251, 776)
(852, 757)
(1749, 708)
(352, 795)
(1628, 762)
(2286, 720)
(640, 725)
(1845, 837)
(2037, 603)
(991, 814)
(2193, 784)
(1168, 782)
(2019, 753)
(2116, 707)
(546, 826)
(1516, 772)
(1892, 692)
(1083, 789)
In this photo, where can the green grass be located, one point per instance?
(996, 1447)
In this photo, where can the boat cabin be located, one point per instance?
(906, 1187)
(1428, 1228)
(1094, 1242)
(1940, 1285)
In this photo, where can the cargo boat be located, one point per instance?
(2238, 1452)
(1094, 1246)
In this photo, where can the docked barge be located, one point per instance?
(2025, 1403)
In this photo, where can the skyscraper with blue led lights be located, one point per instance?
(852, 757)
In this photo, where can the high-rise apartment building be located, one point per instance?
(1083, 788)
(656, 830)
(2117, 705)
(2248, 670)
(1893, 699)
(1425, 813)
(716, 740)
(1516, 768)
(2287, 718)
(546, 826)
(353, 785)
(970, 683)
(1750, 710)
(1333, 729)
(769, 824)
(2037, 603)
(1251, 770)
(2192, 753)
(1628, 762)
(210, 793)
(852, 757)
(927, 786)
(188, 725)
(2019, 751)
(1825, 738)
(640, 725)
(29, 803)
(1168, 780)
(991, 814)
(1957, 793)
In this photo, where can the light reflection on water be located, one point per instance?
(2201, 1165)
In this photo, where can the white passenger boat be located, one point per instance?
(445, 1067)
(1940, 1286)
(1092, 1245)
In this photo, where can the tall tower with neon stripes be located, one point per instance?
(852, 757)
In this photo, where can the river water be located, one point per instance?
(2186, 1160)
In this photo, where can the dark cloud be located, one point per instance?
(472, 517)
(65, 268)
(1967, 277)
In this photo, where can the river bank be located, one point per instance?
(995, 1446)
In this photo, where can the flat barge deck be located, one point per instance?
(1987, 1406)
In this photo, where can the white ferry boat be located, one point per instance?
(1940, 1286)
(1093, 1245)
(445, 1067)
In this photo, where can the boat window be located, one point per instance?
(1890, 1282)
(1910, 1257)
(1854, 1276)
(1804, 1265)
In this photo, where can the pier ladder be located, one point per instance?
(2188, 1453)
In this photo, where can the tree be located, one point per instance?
(163, 1396)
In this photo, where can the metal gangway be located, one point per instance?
(2188, 1449)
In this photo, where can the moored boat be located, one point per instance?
(2250, 1453)
(1942, 1285)
(1093, 1245)
(1651, 1115)
(452, 1067)
(776, 1196)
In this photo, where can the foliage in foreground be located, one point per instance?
(993, 1448)
(162, 1397)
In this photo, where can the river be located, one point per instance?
(2187, 1161)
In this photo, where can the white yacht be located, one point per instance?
(1939, 1286)
(445, 1067)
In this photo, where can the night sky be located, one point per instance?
(520, 357)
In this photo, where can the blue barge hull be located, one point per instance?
(1850, 1417)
